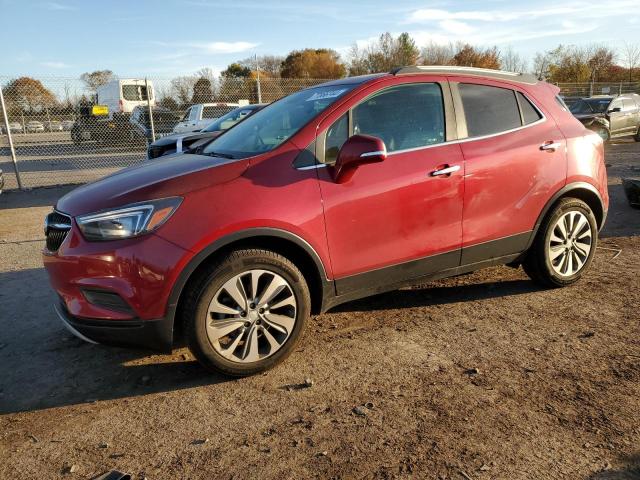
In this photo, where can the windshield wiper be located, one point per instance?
(218, 154)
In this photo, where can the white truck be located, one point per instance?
(123, 95)
(200, 115)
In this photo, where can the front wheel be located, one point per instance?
(564, 246)
(636, 137)
(247, 312)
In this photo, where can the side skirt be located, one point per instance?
(496, 252)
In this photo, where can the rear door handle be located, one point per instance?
(550, 146)
(445, 171)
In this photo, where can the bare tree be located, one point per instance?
(438, 54)
(95, 79)
(631, 57)
(511, 61)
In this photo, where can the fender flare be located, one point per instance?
(569, 187)
(200, 257)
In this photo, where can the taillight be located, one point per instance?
(120, 109)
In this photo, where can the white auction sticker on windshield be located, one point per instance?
(324, 95)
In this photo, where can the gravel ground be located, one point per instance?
(476, 377)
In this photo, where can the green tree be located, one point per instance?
(202, 91)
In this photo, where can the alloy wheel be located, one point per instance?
(251, 316)
(570, 243)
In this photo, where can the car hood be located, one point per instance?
(173, 139)
(172, 175)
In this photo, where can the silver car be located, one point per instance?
(35, 126)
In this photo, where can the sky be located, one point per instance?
(178, 37)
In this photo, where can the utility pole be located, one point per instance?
(11, 148)
(258, 78)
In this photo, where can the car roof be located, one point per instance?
(437, 70)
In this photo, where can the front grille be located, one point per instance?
(56, 227)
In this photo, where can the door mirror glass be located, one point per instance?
(358, 150)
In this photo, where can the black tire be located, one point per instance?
(636, 137)
(212, 279)
(537, 263)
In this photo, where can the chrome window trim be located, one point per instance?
(452, 142)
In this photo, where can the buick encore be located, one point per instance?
(347, 189)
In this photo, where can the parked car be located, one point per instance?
(343, 190)
(67, 125)
(53, 126)
(610, 117)
(1, 180)
(201, 115)
(163, 122)
(16, 127)
(34, 126)
(179, 142)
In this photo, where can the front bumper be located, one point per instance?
(151, 334)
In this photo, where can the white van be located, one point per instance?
(123, 95)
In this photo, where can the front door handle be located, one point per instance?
(550, 146)
(445, 171)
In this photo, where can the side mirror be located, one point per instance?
(357, 150)
(615, 110)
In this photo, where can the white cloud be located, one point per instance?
(210, 47)
(224, 47)
(56, 65)
(606, 8)
(454, 26)
(57, 6)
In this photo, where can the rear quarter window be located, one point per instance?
(530, 114)
(489, 110)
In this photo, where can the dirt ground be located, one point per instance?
(477, 377)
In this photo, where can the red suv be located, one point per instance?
(344, 190)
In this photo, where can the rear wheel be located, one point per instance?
(247, 312)
(564, 246)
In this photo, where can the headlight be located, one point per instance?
(129, 221)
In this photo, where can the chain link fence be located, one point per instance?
(65, 132)
(60, 138)
(598, 88)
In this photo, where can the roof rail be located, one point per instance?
(485, 72)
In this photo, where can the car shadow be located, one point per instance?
(43, 366)
(622, 219)
(426, 295)
(629, 471)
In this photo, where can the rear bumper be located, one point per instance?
(149, 334)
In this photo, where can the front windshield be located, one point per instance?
(229, 120)
(272, 126)
(590, 105)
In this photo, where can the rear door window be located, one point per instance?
(489, 110)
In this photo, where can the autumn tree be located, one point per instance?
(28, 95)
(312, 63)
(469, 56)
(97, 78)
